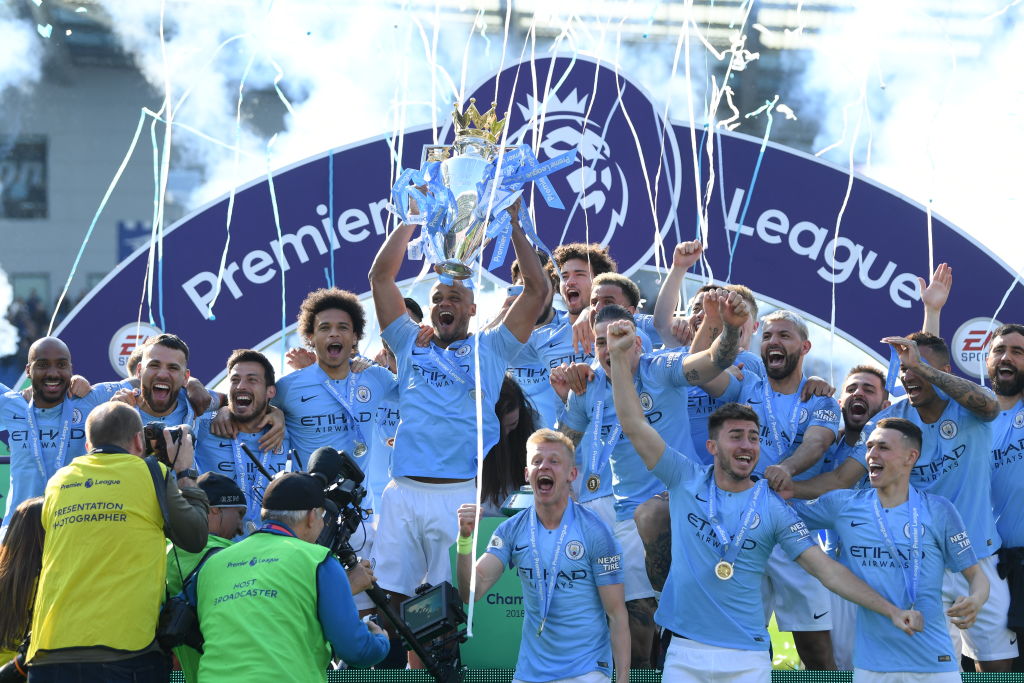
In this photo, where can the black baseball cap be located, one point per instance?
(294, 491)
(222, 491)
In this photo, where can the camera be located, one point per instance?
(436, 611)
(153, 438)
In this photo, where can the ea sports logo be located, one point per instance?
(125, 340)
(970, 345)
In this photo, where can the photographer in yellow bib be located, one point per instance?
(103, 569)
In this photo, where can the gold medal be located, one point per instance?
(360, 449)
(723, 570)
(593, 483)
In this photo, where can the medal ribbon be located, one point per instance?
(451, 368)
(912, 579)
(773, 423)
(345, 405)
(731, 548)
(62, 445)
(601, 452)
(241, 472)
(547, 589)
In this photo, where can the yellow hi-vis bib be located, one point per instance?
(102, 580)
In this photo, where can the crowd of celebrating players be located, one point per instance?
(689, 479)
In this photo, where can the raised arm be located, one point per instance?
(934, 296)
(711, 325)
(702, 367)
(683, 257)
(647, 442)
(387, 297)
(971, 396)
(488, 567)
(844, 583)
(523, 313)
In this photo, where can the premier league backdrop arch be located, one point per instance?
(799, 231)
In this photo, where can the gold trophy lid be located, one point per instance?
(471, 122)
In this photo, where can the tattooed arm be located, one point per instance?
(971, 396)
(574, 435)
(705, 368)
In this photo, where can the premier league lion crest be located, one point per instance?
(627, 155)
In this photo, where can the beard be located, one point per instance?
(1009, 386)
(787, 369)
(259, 412)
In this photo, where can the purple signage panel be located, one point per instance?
(771, 226)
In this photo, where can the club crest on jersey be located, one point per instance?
(755, 521)
(363, 393)
(574, 550)
(76, 416)
(1018, 419)
(646, 402)
(803, 415)
(906, 530)
(948, 429)
(463, 351)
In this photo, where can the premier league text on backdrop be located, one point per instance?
(436, 634)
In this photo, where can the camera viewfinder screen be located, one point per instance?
(424, 611)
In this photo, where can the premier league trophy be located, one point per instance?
(463, 167)
(462, 192)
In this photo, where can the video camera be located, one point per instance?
(435, 612)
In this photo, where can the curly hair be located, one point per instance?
(595, 255)
(321, 300)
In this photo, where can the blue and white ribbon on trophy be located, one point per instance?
(497, 190)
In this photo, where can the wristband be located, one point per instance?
(464, 545)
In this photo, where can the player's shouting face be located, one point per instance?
(550, 469)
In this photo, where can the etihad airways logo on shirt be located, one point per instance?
(1013, 452)
(877, 556)
(947, 462)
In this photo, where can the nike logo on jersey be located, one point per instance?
(819, 616)
(520, 547)
(306, 398)
(857, 523)
(224, 444)
(697, 496)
